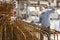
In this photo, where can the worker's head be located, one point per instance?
(41, 8)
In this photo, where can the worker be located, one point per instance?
(44, 18)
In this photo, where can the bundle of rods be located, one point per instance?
(18, 30)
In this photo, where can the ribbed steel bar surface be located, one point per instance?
(20, 30)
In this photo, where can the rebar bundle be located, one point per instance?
(18, 30)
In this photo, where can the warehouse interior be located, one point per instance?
(18, 20)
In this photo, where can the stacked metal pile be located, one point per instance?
(13, 31)
(18, 30)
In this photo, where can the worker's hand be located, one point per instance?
(49, 4)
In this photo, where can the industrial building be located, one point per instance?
(18, 20)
